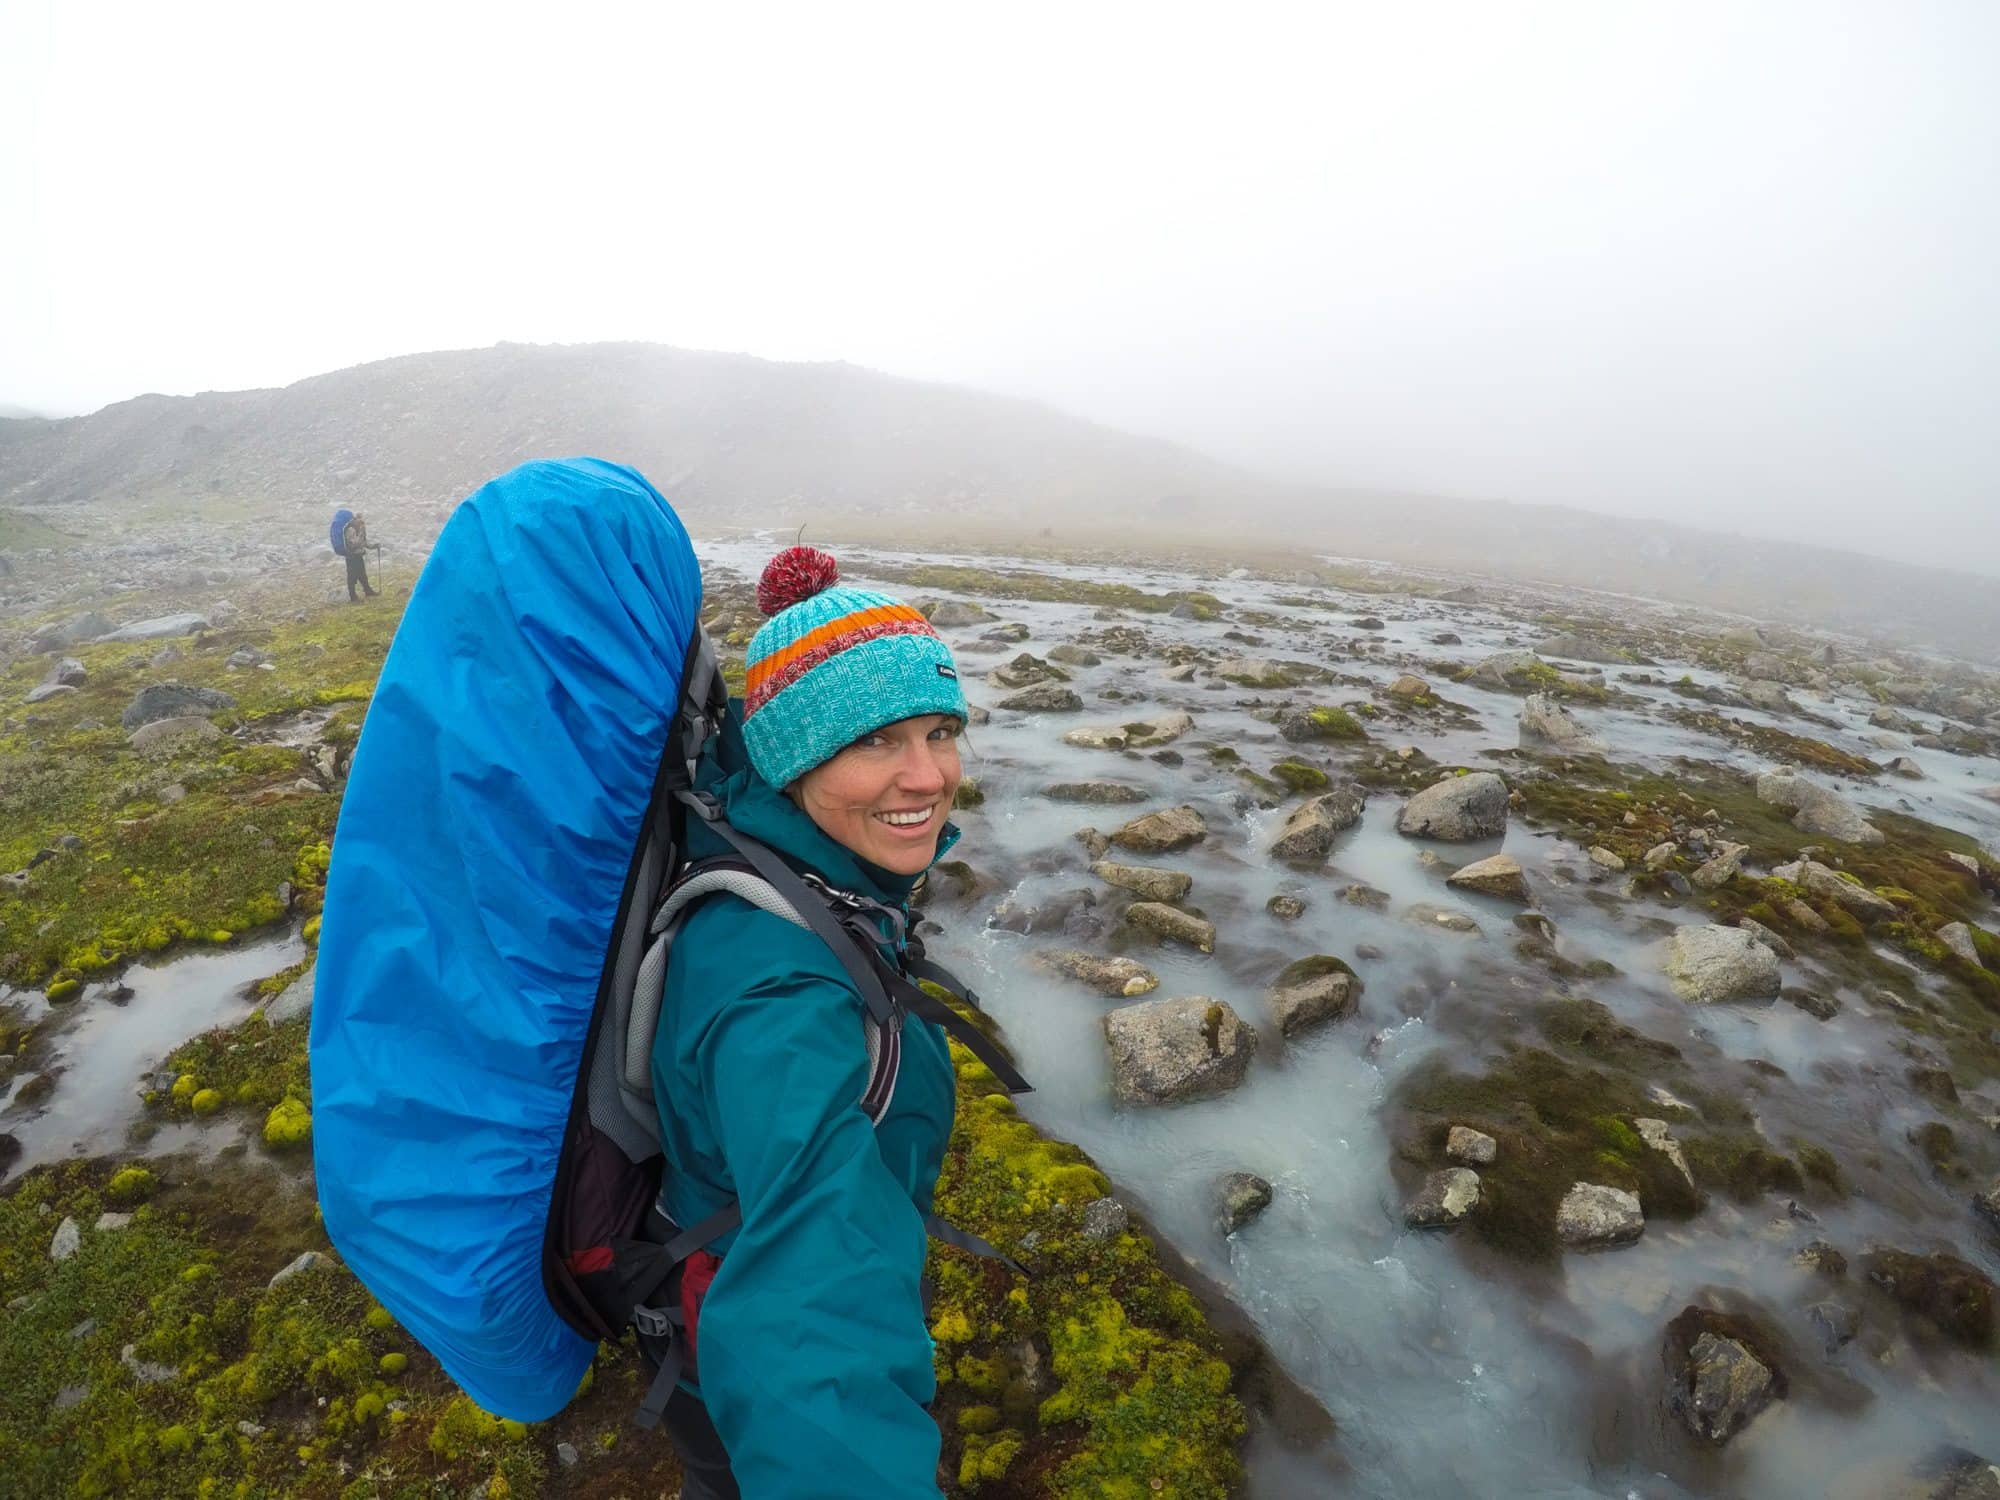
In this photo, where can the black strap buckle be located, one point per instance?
(655, 1322)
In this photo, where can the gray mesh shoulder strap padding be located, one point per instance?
(642, 1018)
(632, 1123)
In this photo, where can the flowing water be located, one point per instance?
(1448, 1371)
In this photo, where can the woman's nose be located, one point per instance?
(919, 770)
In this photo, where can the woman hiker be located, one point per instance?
(812, 1367)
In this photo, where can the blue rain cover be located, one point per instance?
(490, 818)
(336, 533)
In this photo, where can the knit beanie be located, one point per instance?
(833, 663)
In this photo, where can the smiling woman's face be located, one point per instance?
(887, 795)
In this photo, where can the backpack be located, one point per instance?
(337, 534)
(506, 886)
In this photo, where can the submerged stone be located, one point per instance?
(1956, 1297)
(1108, 976)
(1724, 1387)
(1423, 914)
(1240, 1197)
(1171, 923)
(1043, 698)
(1545, 722)
(1095, 793)
(1814, 809)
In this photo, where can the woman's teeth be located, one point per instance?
(905, 820)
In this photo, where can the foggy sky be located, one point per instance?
(1729, 264)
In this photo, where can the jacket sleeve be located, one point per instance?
(814, 1358)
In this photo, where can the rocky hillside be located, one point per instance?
(736, 440)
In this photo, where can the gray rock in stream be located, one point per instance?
(1120, 977)
(1163, 1051)
(1312, 991)
(1593, 1216)
(1310, 830)
(1144, 881)
(1445, 1200)
(1499, 875)
(1957, 937)
(296, 1000)
(1708, 965)
(1043, 698)
(1162, 832)
(1544, 721)
(1456, 809)
(1172, 924)
(1725, 1387)
(1240, 1197)
(1856, 899)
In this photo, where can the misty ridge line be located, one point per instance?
(735, 440)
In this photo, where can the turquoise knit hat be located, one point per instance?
(831, 664)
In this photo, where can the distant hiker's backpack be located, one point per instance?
(337, 535)
(506, 884)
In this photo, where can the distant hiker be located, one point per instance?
(348, 536)
(354, 547)
(814, 1362)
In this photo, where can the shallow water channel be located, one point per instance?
(1448, 1371)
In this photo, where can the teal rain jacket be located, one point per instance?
(813, 1356)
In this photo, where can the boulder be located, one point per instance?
(1955, 1297)
(1172, 924)
(1769, 696)
(1471, 1148)
(173, 700)
(1141, 734)
(1445, 1199)
(1042, 698)
(1144, 881)
(1408, 688)
(1707, 965)
(1423, 914)
(1593, 1216)
(1010, 634)
(68, 672)
(1023, 671)
(1311, 992)
(1162, 832)
(1167, 1050)
(1119, 977)
(306, 1260)
(1723, 867)
(1456, 809)
(1240, 1197)
(295, 1001)
(1906, 768)
(157, 628)
(1722, 1386)
(1605, 859)
(165, 737)
(1104, 1219)
(1075, 656)
(1957, 938)
(1494, 670)
(1092, 793)
(67, 1241)
(1310, 725)
(1815, 809)
(1311, 828)
(42, 692)
(1498, 875)
(952, 614)
(1656, 1135)
(1545, 722)
(1856, 899)
(74, 631)
(1285, 908)
(1258, 672)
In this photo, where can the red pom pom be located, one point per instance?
(794, 576)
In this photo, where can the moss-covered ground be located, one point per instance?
(1631, 810)
(143, 852)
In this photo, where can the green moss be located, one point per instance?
(1334, 724)
(394, 1363)
(1776, 744)
(130, 1185)
(1156, 1403)
(968, 794)
(205, 1101)
(1741, 1165)
(1300, 777)
(288, 1125)
(253, 1064)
